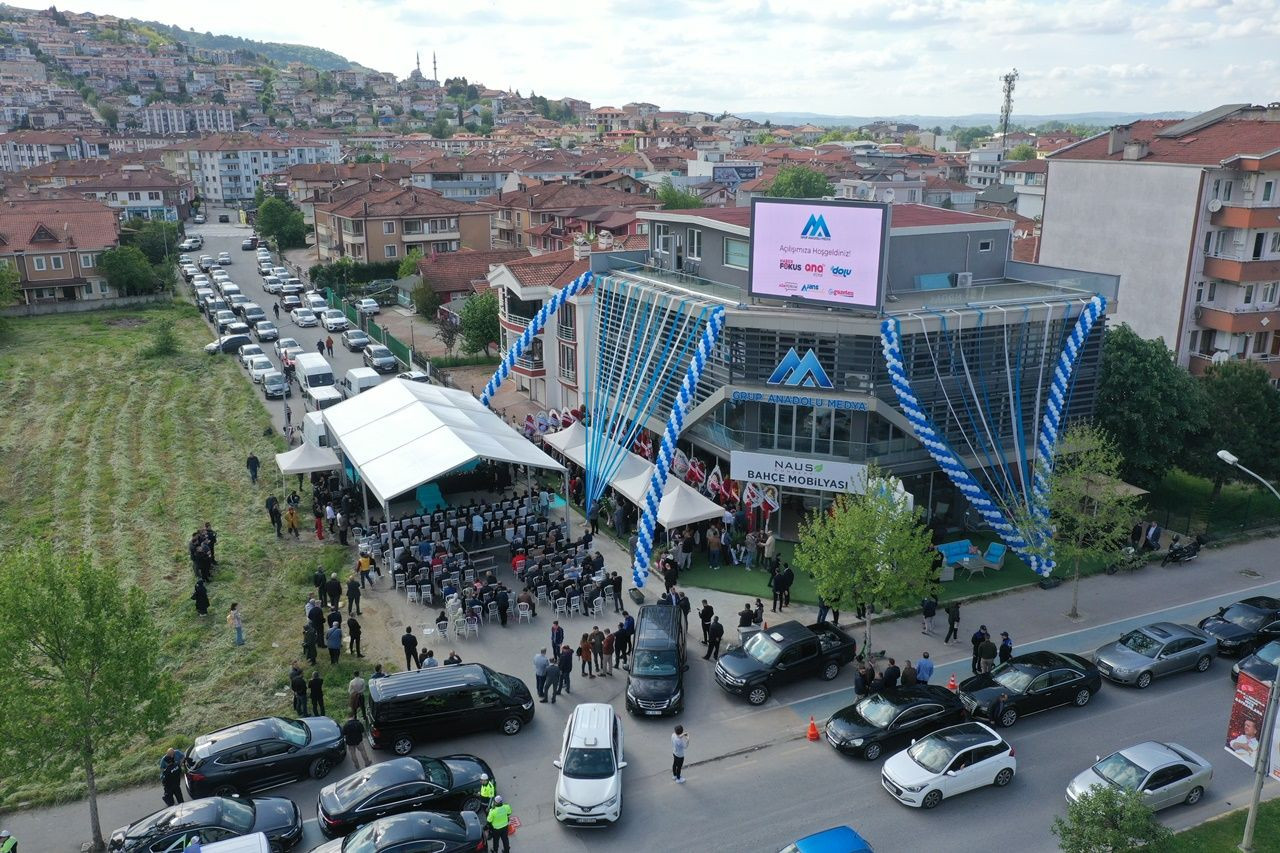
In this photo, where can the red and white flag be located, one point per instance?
(697, 473)
(752, 496)
(729, 491)
(770, 504)
(715, 482)
(566, 419)
(680, 465)
(530, 427)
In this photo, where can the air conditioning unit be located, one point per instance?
(962, 279)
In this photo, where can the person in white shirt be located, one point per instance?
(679, 743)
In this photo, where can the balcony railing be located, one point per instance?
(517, 320)
(567, 333)
(530, 362)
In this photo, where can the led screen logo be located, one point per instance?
(816, 228)
(805, 372)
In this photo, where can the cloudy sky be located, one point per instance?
(941, 57)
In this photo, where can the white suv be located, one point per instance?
(589, 790)
(948, 762)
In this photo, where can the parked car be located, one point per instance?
(289, 302)
(1155, 650)
(206, 262)
(886, 719)
(227, 343)
(247, 352)
(262, 753)
(224, 259)
(223, 318)
(260, 366)
(589, 788)
(249, 245)
(264, 268)
(198, 219)
(283, 344)
(1031, 683)
(1247, 625)
(408, 784)
(280, 272)
(787, 652)
(303, 317)
(1165, 773)
(189, 244)
(414, 376)
(238, 328)
(314, 301)
(237, 301)
(436, 832)
(334, 320)
(208, 820)
(949, 762)
(380, 358)
(222, 217)
(265, 330)
(838, 839)
(271, 284)
(253, 313)
(1262, 664)
(367, 306)
(655, 674)
(203, 293)
(275, 386)
(355, 340)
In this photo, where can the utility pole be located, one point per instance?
(1006, 108)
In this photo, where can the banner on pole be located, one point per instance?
(1244, 726)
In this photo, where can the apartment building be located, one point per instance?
(379, 220)
(55, 244)
(22, 149)
(1027, 178)
(228, 168)
(983, 169)
(521, 219)
(139, 191)
(1188, 212)
(469, 178)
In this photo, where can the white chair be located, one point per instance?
(523, 613)
(442, 628)
(608, 595)
(575, 605)
(469, 576)
(412, 593)
(471, 627)
(597, 607)
(542, 593)
(399, 576)
(562, 607)
(492, 611)
(426, 596)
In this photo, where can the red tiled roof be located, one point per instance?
(560, 196)
(924, 215)
(396, 201)
(554, 269)
(1032, 166)
(346, 171)
(932, 182)
(127, 179)
(451, 272)
(56, 226)
(728, 215)
(1208, 146)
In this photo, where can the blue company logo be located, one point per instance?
(795, 371)
(816, 228)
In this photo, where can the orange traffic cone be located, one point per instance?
(951, 683)
(764, 626)
(813, 729)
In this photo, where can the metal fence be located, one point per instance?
(408, 356)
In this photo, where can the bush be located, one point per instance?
(164, 342)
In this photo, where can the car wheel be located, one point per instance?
(1009, 717)
(1004, 777)
(472, 804)
(1143, 682)
(1083, 697)
(872, 752)
(758, 695)
(830, 671)
(931, 800)
(320, 768)
(512, 725)
(402, 745)
(226, 791)
(1204, 663)
(1194, 795)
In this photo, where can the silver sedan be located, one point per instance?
(1155, 650)
(1165, 773)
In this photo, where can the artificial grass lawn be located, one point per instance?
(1223, 834)
(124, 457)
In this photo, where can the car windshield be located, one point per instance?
(294, 731)
(504, 684)
(378, 351)
(1270, 653)
(435, 771)
(359, 336)
(1136, 641)
(1245, 616)
(877, 710)
(655, 664)
(287, 342)
(763, 648)
(1120, 771)
(932, 753)
(595, 763)
(237, 816)
(1010, 676)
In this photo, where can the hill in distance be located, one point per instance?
(973, 120)
(277, 52)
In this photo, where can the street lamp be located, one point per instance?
(1269, 716)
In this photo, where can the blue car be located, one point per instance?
(839, 839)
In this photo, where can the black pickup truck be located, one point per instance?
(785, 652)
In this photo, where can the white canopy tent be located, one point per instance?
(306, 458)
(681, 503)
(401, 435)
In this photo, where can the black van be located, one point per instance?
(655, 685)
(443, 701)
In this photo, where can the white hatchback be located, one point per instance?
(304, 317)
(948, 762)
(589, 790)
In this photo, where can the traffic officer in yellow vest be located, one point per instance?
(500, 825)
(487, 790)
(8, 844)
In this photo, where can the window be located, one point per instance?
(737, 253)
(1275, 242)
(693, 244)
(1268, 190)
(1217, 187)
(388, 228)
(153, 196)
(87, 262)
(1208, 241)
(1213, 291)
(1248, 294)
(55, 262)
(87, 290)
(568, 357)
(1199, 292)
(1226, 190)
(985, 245)
(1260, 342)
(1269, 291)
(38, 264)
(390, 251)
(1194, 345)
(1220, 243)
(661, 231)
(104, 288)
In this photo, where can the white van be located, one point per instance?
(321, 397)
(256, 843)
(313, 371)
(358, 379)
(313, 430)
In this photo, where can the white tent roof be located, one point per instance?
(402, 434)
(681, 504)
(307, 458)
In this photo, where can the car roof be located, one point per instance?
(1166, 631)
(966, 735)
(202, 812)
(1262, 602)
(591, 725)
(1043, 660)
(1150, 754)
(424, 680)
(838, 839)
(917, 693)
(789, 631)
(250, 731)
(384, 774)
(656, 623)
(414, 826)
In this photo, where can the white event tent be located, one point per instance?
(681, 504)
(400, 435)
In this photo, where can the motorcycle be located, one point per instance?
(1178, 553)
(1130, 559)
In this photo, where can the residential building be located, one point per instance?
(55, 246)
(940, 192)
(1027, 178)
(22, 149)
(468, 178)
(380, 220)
(458, 275)
(138, 191)
(228, 168)
(984, 165)
(1188, 212)
(308, 183)
(892, 187)
(522, 218)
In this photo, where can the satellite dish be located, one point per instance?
(888, 195)
(1215, 206)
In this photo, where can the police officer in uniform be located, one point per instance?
(500, 825)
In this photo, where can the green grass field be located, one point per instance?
(1223, 834)
(123, 457)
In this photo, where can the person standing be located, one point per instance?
(353, 634)
(557, 635)
(928, 609)
(333, 589)
(288, 416)
(236, 620)
(316, 684)
(310, 642)
(607, 648)
(333, 642)
(252, 464)
(616, 582)
(201, 598)
(540, 665)
(410, 644)
(353, 734)
(499, 825)
(889, 678)
(291, 520)
(679, 744)
(1006, 647)
(584, 654)
(597, 648)
(979, 640)
(353, 595)
(771, 551)
(775, 584)
(715, 633)
(328, 345)
(298, 685)
(788, 578)
(593, 517)
(953, 623)
(749, 546)
(924, 669)
(171, 775)
(355, 696)
(909, 676)
(565, 664)
(704, 617)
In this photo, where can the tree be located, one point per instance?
(1021, 152)
(1246, 407)
(1150, 406)
(427, 302)
(674, 199)
(1107, 819)
(799, 182)
(911, 140)
(10, 285)
(409, 264)
(128, 271)
(259, 196)
(1089, 513)
(867, 548)
(282, 222)
(110, 115)
(478, 322)
(218, 97)
(447, 334)
(82, 638)
(155, 238)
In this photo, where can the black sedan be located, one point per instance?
(1262, 664)
(406, 784)
(885, 719)
(263, 754)
(437, 832)
(211, 819)
(380, 358)
(1030, 683)
(1247, 625)
(355, 340)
